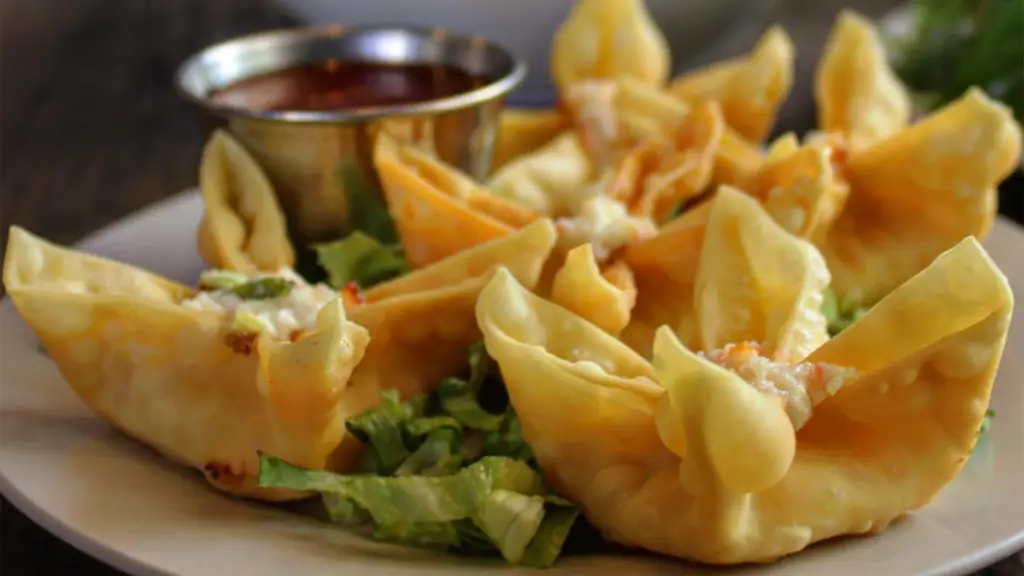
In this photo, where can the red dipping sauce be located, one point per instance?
(337, 85)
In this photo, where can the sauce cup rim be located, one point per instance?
(497, 88)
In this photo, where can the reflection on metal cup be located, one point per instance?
(319, 160)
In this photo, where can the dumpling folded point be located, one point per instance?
(751, 89)
(243, 227)
(603, 40)
(856, 91)
(439, 211)
(726, 268)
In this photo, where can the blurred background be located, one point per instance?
(90, 120)
(92, 129)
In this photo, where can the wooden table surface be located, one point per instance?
(92, 131)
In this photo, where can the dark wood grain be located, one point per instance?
(92, 131)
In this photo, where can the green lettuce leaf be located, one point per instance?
(367, 210)
(510, 520)
(840, 315)
(383, 429)
(441, 471)
(240, 285)
(217, 279)
(442, 535)
(504, 499)
(424, 426)
(440, 454)
(986, 423)
(549, 540)
(507, 440)
(460, 398)
(392, 500)
(343, 510)
(361, 259)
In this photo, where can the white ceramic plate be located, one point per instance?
(119, 502)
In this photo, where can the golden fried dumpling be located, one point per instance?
(547, 181)
(422, 323)
(613, 116)
(801, 186)
(750, 89)
(675, 166)
(918, 193)
(856, 91)
(719, 468)
(602, 40)
(521, 131)
(185, 372)
(604, 300)
(243, 227)
(729, 269)
(438, 210)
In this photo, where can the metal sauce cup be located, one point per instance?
(316, 160)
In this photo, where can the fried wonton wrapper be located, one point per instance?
(918, 193)
(173, 377)
(614, 116)
(243, 227)
(438, 210)
(725, 269)
(689, 459)
(856, 92)
(422, 323)
(801, 186)
(750, 89)
(605, 299)
(522, 131)
(549, 181)
(673, 167)
(603, 40)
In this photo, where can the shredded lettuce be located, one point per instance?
(440, 454)
(244, 322)
(367, 210)
(383, 429)
(505, 500)
(441, 471)
(247, 289)
(361, 259)
(507, 439)
(221, 279)
(423, 426)
(264, 289)
(986, 423)
(840, 315)
(460, 397)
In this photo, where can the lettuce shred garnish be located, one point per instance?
(221, 279)
(986, 422)
(245, 288)
(247, 323)
(840, 315)
(361, 259)
(448, 470)
(367, 210)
